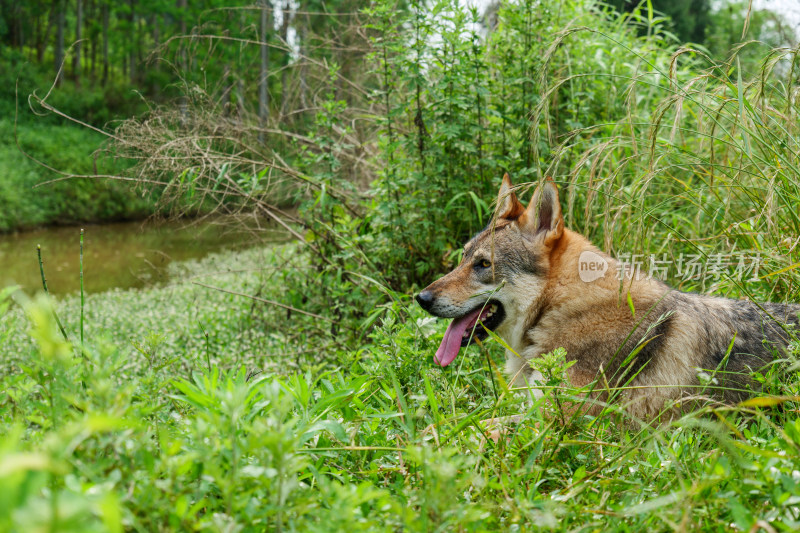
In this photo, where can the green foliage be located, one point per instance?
(689, 19)
(461, 107)
(633, 128)
(128, 59)
(763, 31)
(68, 149)
(96, 105)
(221, 414)
(106, 437)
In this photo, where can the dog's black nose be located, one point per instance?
(425, 300)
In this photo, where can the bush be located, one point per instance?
(25, 201)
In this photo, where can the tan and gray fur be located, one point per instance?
(534, 274)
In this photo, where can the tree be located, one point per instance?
(76, 58)
(263, 76)
(689, 18)
(105, 16)
(764, 26)
(58, 6)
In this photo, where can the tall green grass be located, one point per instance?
(189, 409)
(143, 434)
(703, 162)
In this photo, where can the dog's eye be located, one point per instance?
(484, 263)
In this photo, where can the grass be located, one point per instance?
(233, 332)
(185, 410)
(70, 150)
(195, 409)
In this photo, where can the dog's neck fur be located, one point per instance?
(679, 333)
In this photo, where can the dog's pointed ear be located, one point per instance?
(508, 205)
(543, 216)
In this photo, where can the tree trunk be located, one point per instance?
(90, 38)
(36, 28)
(44, 35)
(59, 49)
(11, 8)
(76, 58)
(104, 10)
(156, 87)
(132, 63)
(287, 19)
(16, 23)
(20, 28)
(92, 66)
(303, 69)
(156, 31)
(183, 104)
(263, 89)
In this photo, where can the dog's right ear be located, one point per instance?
(543, 216)
(508, 205)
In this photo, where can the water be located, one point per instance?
(124, 254)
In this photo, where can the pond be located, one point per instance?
(118, 255)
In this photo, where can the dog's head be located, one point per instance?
(502, 273)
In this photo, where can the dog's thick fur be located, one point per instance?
(528, 262)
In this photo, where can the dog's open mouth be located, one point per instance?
(464, 329)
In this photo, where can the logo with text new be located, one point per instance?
(591, 266)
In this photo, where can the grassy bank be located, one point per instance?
(234, 333)
(185, 410)
(69, 149)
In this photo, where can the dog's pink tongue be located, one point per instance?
(451, 342)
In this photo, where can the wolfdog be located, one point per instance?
(524, 277)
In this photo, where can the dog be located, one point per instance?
(522, 278)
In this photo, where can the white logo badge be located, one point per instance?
(591, 266)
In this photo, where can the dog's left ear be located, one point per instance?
(543, 215)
